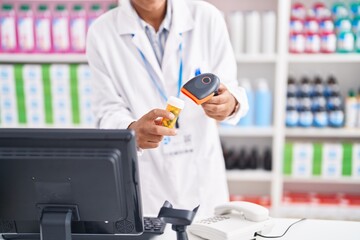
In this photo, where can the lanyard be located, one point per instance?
(155, 82)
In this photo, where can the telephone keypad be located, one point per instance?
(214, 219)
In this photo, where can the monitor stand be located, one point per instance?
(55, 221)
(55, 224)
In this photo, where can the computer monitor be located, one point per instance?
(57, 181)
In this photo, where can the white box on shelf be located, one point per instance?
(302, 160)
(235, 22)
(252, 32)
(34, 95)
(356, 161)
(84, 86)
(60, 90)
(268, 32)
(8, 100)
(332, 160)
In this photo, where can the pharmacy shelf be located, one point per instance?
(230, 131)
(325, 58)
(43, 58)
(342, 180)
(73, 57)
(331, 212)
(258, 58)
(249, 175)
(284, 64)
(49, 126)
(323, 133)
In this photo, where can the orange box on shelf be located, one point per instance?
(328, 199)
(298, 198)
(352, 199)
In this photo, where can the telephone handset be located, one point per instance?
(234, 221)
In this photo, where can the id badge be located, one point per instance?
(181, 144)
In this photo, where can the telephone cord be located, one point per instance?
(258, 234)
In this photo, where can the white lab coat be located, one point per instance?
(124, 92)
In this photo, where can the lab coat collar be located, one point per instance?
(127, 20)
(128, 24)
(182, 21)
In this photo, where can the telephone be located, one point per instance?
(234, 221)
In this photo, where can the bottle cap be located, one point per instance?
(291, 80)
(331, 79)
(77, 7)
(305, 79)
(60, 7)
(176, 102)
(42, 7)
(24, 7)
(7, 7)
(111, 6)
(317, 79)
(95, 7)
(351, 93)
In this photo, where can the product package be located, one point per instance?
(33, 92)
(8, 101)
(85, 91)
(302, 159)
(60, 92)
(332, 160)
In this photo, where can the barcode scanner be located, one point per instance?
(201, 88)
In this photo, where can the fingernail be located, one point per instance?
(171, 116)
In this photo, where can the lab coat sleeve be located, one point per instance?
(224, 65)
(110, 109)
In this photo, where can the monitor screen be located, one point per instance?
(93, 173)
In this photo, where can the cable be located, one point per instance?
(258, 234)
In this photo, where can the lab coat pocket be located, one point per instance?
(182, 179)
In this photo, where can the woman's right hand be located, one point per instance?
(148, 131)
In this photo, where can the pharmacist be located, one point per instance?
(143, 52)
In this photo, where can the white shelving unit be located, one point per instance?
(344, 180)
(332, 212)
(244, 58)
(323, 133)
(279, 65)
(249, 175)
(283, 64)
(42, 58)
(324, 58)
(246, 132)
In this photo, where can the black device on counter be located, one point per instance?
(178, 218)
(201, 88)
(71, 184)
